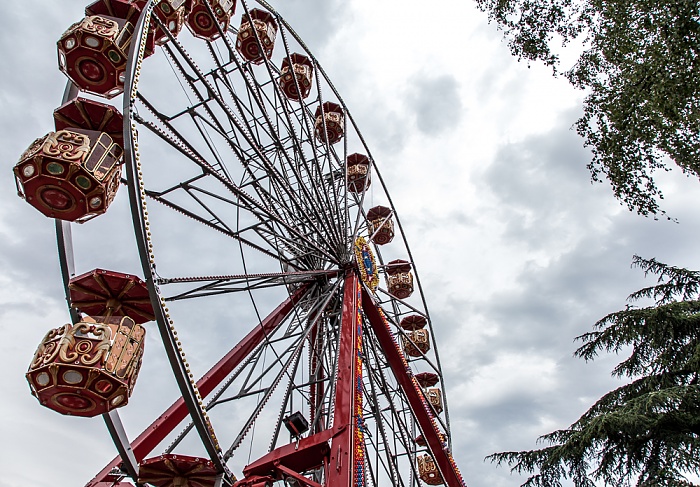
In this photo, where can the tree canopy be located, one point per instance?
(647, 432)
(639, 63)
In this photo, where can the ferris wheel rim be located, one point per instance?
(128, 140)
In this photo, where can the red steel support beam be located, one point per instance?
(340, 469)
(314, 451)
(424, 416)
(300, 480)
(308, 454)
(161, 427)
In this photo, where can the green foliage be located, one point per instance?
(640, 67)
(647, 432)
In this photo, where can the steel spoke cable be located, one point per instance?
(330, 356)
(193, 66)
(358, 219)
(377, 413)
(306, 123)
(295, 139)
(250, 294)
(295, 356)
(270, 167)
(398, 418)
(286, 401)
(342, 232)
(253, 90)
(207, 223)
(213, 401)
(257, 208)
(383, 185)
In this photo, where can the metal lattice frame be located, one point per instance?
(250, 170)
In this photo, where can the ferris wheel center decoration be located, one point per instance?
(367, 264)
(233, 139)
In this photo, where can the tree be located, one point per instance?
(647, 432)
(639, 63)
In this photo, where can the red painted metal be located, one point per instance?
(308, 454)
(410, 388)
(413, 322)
(161, 427)
(265, 28)
(358, 171)
(93, 54)
(88, 368)
(427, 379)
(107, 293)
(90, 115)
(296, 66)
(314, 451)
(178, 471)
(398, 266)
(335, 124)
(381, 224)
(300, 479)
(399, 280)
(202, 24)
(70, 174)
(341, 472)
(121, 9)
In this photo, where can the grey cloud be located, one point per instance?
(435, 102)
(545, 204)
(314, 20)
(543, 183)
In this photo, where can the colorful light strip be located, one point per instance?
(358, 436)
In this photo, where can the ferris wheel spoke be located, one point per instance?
(320, 197)
(323, 359)
(397, 412)
(311, 218)
(214, 96)
(389, 467)
(307, 203)
(222, 230)
(213, 285)
(263, 227)
(297, 207)
(265, 230)
(285, 364)
(395, 415)
(309, 182)
(191, 191)
(167, 132)
(306, 302)
(402, 306)
(305, 120)
(360, 218)
(291, 364)
(173, 138)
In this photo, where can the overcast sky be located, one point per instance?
(518, 252)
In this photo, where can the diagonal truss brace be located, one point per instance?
(161, 427)
(315, 451)
(409, 386)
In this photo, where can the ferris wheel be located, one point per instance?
(262, 222)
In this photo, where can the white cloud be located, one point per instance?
(510, 376)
